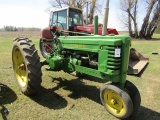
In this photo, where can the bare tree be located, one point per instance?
(128, 10)
(146, 23)
(92, 10)
(151, 20)
(93, 6)
(135, 18)
(63, 3)
(130, 7)
(56, 3)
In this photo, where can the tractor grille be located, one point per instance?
(114, 57)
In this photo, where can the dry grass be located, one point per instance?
(65, 97)
(27, 34)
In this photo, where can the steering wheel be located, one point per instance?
(55, 28)
(60, 24)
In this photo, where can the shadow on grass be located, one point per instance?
(78, 89)
(7, 96)
(48, 98)
(147, 114)
(155, 39)
(92, 78)
(144, 113)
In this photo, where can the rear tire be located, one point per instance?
(45, 47)
(26, 66)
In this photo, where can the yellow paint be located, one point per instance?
(19, 68)
(79, 46)
(114, 103)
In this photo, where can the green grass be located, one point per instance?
(65, 97)
(156, 36)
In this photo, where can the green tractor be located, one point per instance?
(104, 57)
(70, 19)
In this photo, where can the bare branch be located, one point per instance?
(94, 5)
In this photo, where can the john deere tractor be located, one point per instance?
(71, 19)
(105, 57)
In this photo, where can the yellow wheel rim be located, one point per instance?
(19, 68)
(114, 102)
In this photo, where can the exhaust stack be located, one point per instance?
(87, 13)
(105, 19)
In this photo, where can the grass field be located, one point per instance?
(65, 97)
(156, 36)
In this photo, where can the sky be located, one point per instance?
(24, 13)
(32, 13)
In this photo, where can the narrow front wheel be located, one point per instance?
(135, 96)
(116, 101)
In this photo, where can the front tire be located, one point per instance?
(116, 101)
(135, 96)
(26, 66)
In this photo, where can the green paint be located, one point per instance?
(105, 57)
(96, 25)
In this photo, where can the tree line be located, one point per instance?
(14, 28)
(10, 28)
(151, 20)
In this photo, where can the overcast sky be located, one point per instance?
(32, 13)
